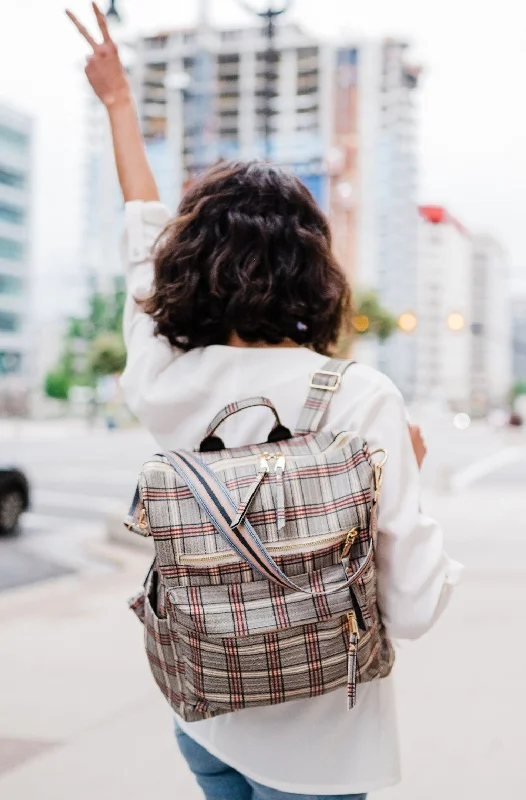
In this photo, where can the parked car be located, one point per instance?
(14, 497)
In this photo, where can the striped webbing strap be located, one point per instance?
(220, 508)
(323, 383)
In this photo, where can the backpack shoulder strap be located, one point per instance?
(323, 383)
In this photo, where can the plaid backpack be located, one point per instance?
(263, 588)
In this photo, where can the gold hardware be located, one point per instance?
(378, 478)
(378, 473)
(143, 523)
(263, 463)
(353, 624)
(333, 388)
(349, 541)
(280, 465)
(384, 459)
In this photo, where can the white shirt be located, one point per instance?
(313, 746)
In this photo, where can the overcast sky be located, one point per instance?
(472, 115)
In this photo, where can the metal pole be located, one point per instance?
(202, 98)
(270, 75)
(112, 12)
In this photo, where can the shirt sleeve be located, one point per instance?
(415, 575)
(147, 354)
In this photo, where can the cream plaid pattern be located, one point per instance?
(220, 637)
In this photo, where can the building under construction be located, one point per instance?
(341, 116)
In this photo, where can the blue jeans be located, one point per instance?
(221, 782)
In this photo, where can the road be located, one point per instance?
(79, 476)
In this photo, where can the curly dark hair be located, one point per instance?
(249, 252)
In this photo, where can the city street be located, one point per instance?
(79, 714)
(78, 477)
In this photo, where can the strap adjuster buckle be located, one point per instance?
(329, 388)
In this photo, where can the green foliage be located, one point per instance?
(108, 354)
(57, 384)
(368, 318)
(518, 389)
(93, 345)
(381, 323)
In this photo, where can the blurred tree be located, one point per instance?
(93, 345)
(518, 389)
(369, 318)
(57, 384)
(107, 355)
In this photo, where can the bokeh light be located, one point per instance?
(456, 321)
(407, 322)
(462, 421)
(360, 323)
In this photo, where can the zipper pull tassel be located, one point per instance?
(242, 509)
(280, 493)
(352, 653)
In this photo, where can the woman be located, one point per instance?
(242, 297)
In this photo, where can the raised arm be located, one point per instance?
(109, 81)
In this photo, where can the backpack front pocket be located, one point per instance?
(255, 643)
(165, 665)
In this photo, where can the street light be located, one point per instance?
(269, 15)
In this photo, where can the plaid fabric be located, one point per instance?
(220, 637)
(233, 408)
(323, 383)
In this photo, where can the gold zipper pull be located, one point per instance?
(280, 465)
(349, 541)
(263, 463)
(353, 624)
(142, 519)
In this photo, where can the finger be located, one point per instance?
(81, 29)
(103, 24)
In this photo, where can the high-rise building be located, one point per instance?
(491, 362)
(15, 215)
(463, 334)
(340, 116)
(443, 311)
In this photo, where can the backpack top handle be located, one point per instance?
(212, 442)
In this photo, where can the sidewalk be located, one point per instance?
(83, 719)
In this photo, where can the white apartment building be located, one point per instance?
(15, 211)
(492, 352)
(443, 337)
(343, 119)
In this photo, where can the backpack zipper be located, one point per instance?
(275, 548)
(280, 458)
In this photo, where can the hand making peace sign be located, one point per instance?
(104, 69)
